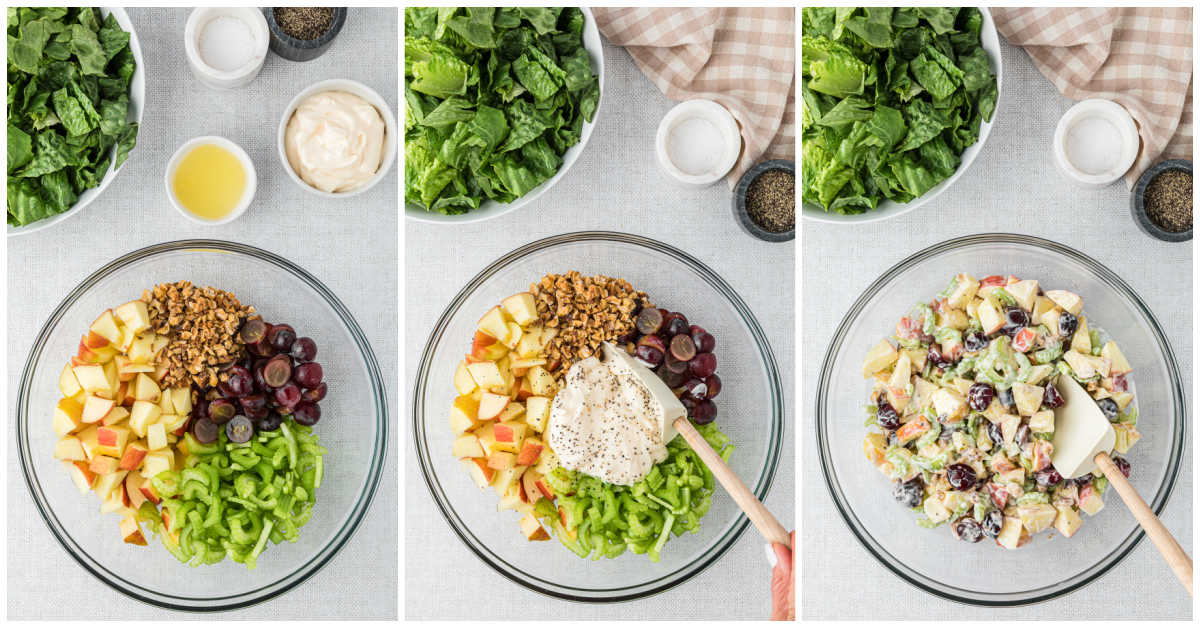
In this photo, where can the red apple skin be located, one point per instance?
(504, 433)
(106, 437)
(95, 341)
(529, 454)
(83, 466)
(150, 494)
(132, 458)
(544, 487)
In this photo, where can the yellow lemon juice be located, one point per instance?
(209, 181)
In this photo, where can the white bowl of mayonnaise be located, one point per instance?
(337, 138)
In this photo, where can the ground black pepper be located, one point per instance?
(1168, 200)
(305, 23)
(771, 200)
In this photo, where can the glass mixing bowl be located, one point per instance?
(750, 411)
(982, 573)
(353, 427)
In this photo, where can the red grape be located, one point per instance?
(682, 347)
(220, 410)
(704, 412)
(703, 365)
(205, 431)
(281, 337)
(307, 413)
(304, 350)
(239, 429)
(714, 385)
(252, 331)
(278, 371)
(315, 394)
(309, 374)
(287, 395)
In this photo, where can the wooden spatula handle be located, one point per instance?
(762, 518)
(1170, 549)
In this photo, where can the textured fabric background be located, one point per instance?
(743, 58)
(339, 242)
(1139, 57)
(616, 186)
(1012, 187)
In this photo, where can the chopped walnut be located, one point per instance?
(201, 325)
(586, 311)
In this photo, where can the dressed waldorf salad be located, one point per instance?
(962, 408)
(565, 409)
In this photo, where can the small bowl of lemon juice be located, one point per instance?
(211, 180)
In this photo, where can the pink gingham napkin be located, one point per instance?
(1140, 58)
(743, 58)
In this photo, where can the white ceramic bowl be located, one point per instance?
(489, 209)
(229, 145)
(226, 79)
(137, 96)
(367, 94)
(887, 208)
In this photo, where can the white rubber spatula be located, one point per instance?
(1082, 439)
(762, 518)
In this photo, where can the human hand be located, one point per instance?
(783, 583)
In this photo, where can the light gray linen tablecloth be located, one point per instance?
(1011, 187)
(340, 242)
(615, 186)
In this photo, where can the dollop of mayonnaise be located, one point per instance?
(612, 418)
(334, 141)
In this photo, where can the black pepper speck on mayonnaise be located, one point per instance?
(612, 418)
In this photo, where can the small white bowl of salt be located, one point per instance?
(226, 47)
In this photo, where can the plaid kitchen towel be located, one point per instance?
(744, 59)
(1138, 57)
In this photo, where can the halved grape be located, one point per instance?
(648, 355)
(704, 412)
(252, 331)
(703, 365)
(288, 395)
(281, 337)
(653, 341)
(304, 350)
(315, 394)
(695, 388)
(270, 422)
(713, 382)
(221, 410)
(682, 347)
(239, 429)
(278, 371)
(649, 321)
(205, 431)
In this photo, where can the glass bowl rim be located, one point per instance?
(722, 544)
(1077, 581)
(226, 602)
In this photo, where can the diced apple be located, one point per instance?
(529, 486)
(142, 414)
(1068, 301)
(880, 357)
(68, 417)
(530, 344)
(989, 317)
(486, 375)
(466, 446)
(537, 412)
(105, 326)
(505, 477)
(181, 398)
(514, 335)
(156, 436)
(106, 485)
(1089, 500)
(1024, 292)
(133, 456)
(1083, 367)
(87, 439)
(463, 382)
(148, 491)
(69, 448)
(133, 488)
(165, 403)
(950, 403)
(1042, 422)
(521, 307)
(541, 382)
(134, 315)
(145, 389)
(500, 460)
(1116, 358)
(479, 471)
(532, 528)
(1067, 521)
(531, 450)
(936, 510)
(486, 348)
(131, 532)
(111, 440)
(67, 384)
(1036, 517)
(464, 414)
(491, 405)
(965, 287)
(141, 349)
(1081, 341)
(1010, 533)
(174, 423)
(117, 415)
(81, 475)
(494, 324)
(509, 435)
(1028, 398)
(92, 379)
(103, 465)
(156, 462)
